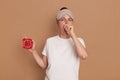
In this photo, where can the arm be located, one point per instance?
(41, 60)
(80, 50)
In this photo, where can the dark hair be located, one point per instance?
(63, 8)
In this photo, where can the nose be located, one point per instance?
(66, 21)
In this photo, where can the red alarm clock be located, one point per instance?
(27, 43)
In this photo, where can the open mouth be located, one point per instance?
(65, 31)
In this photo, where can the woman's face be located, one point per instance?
(66, 19)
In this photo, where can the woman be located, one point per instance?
(62, 53)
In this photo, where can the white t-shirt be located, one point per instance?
(63, 63)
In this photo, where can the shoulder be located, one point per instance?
(80, 39)
(52, 39)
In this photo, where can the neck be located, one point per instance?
(65, 36)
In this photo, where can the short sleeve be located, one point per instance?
(45, 49)
(82, 42)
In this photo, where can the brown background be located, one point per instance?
(97, 21)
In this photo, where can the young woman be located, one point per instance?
(62, 53)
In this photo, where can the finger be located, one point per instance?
(68, 27)
(71, 27)
(65, 27)
(33, 44)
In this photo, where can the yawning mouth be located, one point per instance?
(65, 31)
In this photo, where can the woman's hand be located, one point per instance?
(69, 29)
(33, 47)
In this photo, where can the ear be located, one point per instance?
(57, 21)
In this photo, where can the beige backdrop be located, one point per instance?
(97, 21)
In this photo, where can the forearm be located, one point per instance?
(80, 50)
(38, 59)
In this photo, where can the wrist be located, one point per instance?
(73, 35)
(33, 51)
